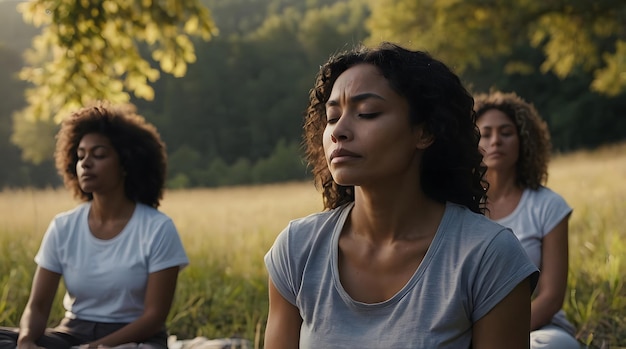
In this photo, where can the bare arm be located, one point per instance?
(159, 296)
(283, 322)
(37, 310)
(507, 325)
(553, 279)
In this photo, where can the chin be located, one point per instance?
(347, 183)
(343, 181)
(352, 178)
(86, 190)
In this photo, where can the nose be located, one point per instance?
(85, 162)
(495, 139)
(341, 130)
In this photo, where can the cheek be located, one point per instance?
(326, 139)
(514, 142)
(115, 168)
(482, 149)
(515, 148)
(483, 143)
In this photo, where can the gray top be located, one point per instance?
(471, 265)
(536, 214)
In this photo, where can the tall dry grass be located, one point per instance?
(594, 184)
(227, 231)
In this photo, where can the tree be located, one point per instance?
(574, 36)
(90, 50)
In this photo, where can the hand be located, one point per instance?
(92, 346)
(28, 345)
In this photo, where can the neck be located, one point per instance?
(390, 214)
(109, 208)
(501, 184)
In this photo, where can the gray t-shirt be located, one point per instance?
(536, 214)
(471, 265)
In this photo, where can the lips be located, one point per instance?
(495, 154)
(339, 154)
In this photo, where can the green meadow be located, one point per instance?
(226, 231)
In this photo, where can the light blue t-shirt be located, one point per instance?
(106, 279)
(471, 265)
(537, 213)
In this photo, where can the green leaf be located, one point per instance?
(90, 50)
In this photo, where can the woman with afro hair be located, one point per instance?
(119, 256)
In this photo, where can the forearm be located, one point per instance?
(37, 310)
(32, 325)
(283, 337)
(159, 295)
(283, 322)
(137, 331)
(550, 292)
(543, 310)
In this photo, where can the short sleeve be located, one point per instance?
(503, 266)
(47, 257)
(280, 267)
(167, 250)
(554, 210)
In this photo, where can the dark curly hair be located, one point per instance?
(137, 142)
(452, 168)
(534, 137)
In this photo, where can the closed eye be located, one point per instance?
(369, 115)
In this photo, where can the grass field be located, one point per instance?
(227, 231)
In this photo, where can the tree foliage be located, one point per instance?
(573, 35)
(244, 106)
(236, 116)
(90, 50)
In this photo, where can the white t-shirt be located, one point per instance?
(470, 266)
(106, 279)
(537, 213)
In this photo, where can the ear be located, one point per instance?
(423, 138)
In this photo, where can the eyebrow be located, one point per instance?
(97, 146)
(356, 99)
(498, 126)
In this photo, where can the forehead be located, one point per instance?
(494, 118)
(92, 140)
(360, 78)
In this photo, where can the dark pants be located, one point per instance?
(71, 332)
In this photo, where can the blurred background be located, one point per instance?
(226, 82)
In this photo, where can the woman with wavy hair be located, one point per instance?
(119, 256)
(516, 146)
(401, 257)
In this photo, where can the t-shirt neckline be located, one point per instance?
(411, 283)
(122, 232)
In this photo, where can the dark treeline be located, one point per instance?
(235, 118)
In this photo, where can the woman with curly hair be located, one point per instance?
(119, 256)
(516, 145)
(401, 256)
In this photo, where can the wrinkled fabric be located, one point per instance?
(553, 337)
